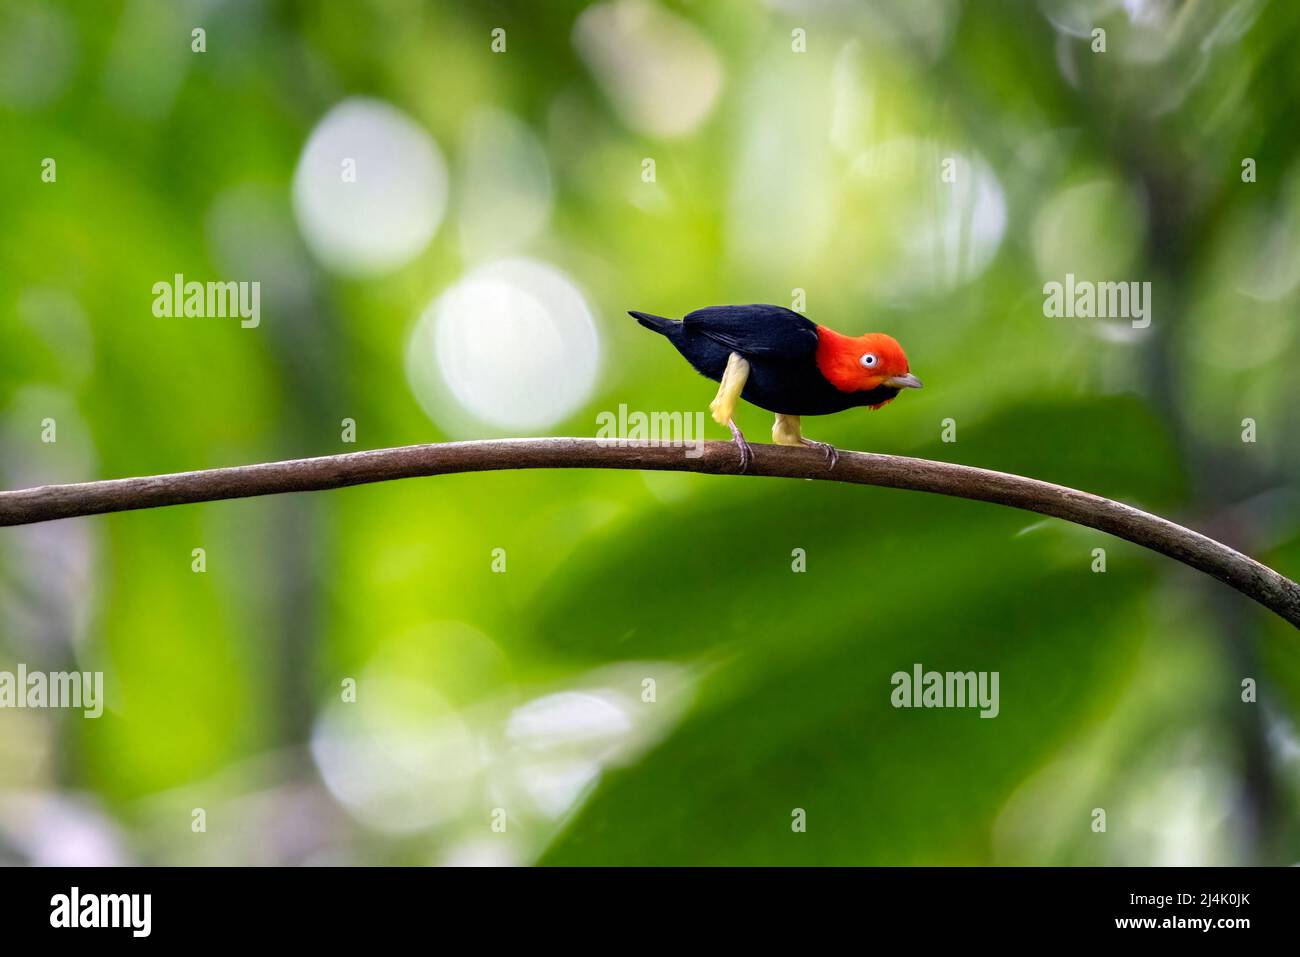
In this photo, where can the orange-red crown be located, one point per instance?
(859, 363)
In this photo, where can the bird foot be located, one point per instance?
(832, 453)
(746, 454)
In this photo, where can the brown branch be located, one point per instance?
(1246, 575)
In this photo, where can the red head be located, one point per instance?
(863, 363)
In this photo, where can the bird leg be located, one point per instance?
(731, 385)
(785, 431)
(746, 454)
(723, 405)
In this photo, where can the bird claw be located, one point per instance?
(746, 454)
(832, 453)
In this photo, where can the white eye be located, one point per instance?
(869, 360)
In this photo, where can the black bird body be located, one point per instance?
(781, 348)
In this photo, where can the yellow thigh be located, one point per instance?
(723, 405)
(785, 431)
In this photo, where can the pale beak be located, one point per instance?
(908, 381)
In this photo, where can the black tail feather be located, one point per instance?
(655, 323)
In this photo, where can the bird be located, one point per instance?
(781, 361)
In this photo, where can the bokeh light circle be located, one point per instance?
(512, 344)
(370, 189)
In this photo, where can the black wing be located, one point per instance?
(758, 330)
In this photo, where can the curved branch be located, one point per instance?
(1270, 589)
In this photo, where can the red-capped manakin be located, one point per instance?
(776, 359)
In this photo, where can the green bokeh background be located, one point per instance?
(480, 692)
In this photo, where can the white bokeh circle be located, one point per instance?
(511, 345)
(370, 188)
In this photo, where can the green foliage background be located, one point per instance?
(1120, 690)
